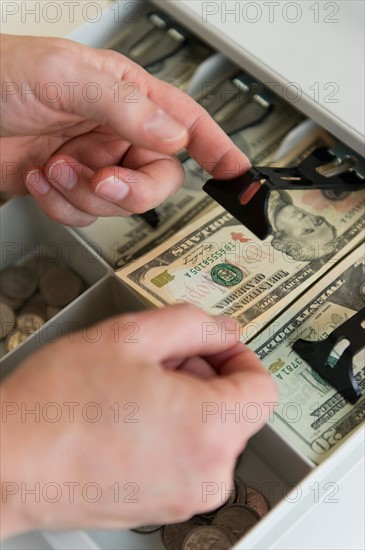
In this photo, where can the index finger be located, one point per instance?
(208, 144)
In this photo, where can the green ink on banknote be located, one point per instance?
(226, 274)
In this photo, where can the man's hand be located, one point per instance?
(90, 133)
(127, 430)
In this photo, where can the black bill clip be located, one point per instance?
(318, 355)
(151, 217)
(246, 197)
(236, 103)
(155, 38)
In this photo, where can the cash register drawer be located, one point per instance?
(317, 507)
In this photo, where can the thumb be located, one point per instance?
(122, 107)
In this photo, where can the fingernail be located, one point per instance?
(112, 189)
(160, 125)
(60, 172)
(37, 182)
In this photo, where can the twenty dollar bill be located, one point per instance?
(311, 414)
(219, 265)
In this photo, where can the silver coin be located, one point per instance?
(16, 338)
(13, 303)
(18, 282)
(237, 518)
(174, 534)
(146, 529)
(29, 322)
(7, 320)
(209, 537)
(257, 501)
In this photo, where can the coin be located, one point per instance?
(15, 339)
(211, 513)
(237, 518)
(29, 322)
(209, 537)
(257, 501)
(51, 311)
(40, 265)
(11, 302)
(59, 286)
(146, 529)
(36, 307)
(174, 534)
(241, 492)
(18, 282)
(7, 320)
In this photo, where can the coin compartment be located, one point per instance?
(34, 235)
(268, 464)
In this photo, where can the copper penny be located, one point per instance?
(257, 501)
(237, 518)
(174, 534)
(59, 286)
(209, 537)
(18, 282)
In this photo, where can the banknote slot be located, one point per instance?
(304, 176)
(145, 30)
(160, 45)
(156, 46)
(235, 103)
(333, 357)
(154, 38)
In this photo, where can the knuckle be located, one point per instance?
(59, 58)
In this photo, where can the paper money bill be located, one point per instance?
(170, 54)
(179, 69)
(120, 240)
(258, 142)
(312, 415)
(219, 265)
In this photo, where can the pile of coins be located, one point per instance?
(30, 295)
(219, 529)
